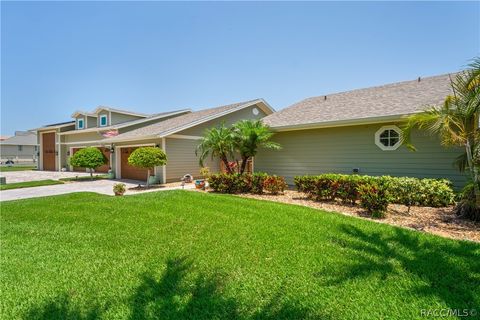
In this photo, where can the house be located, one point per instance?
(359, 132)
(118, 132)
(20, 148)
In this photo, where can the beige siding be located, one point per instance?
(82, 137)
(91, 122)
(182, 159)
(342, 149)
(12, 152)
(228, 119)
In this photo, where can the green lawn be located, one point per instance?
(182, 254)
(16, 168)
(29, 184)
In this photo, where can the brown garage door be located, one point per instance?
(131, 172)
(48, 153)
(104, 168)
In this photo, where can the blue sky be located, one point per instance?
(58, 57)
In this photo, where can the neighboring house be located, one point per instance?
(358, 132)
(21, 148)
(117, 133)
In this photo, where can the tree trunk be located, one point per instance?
(91, 174)
(474, 173)
(148, 178)
(244, 164)
(227, 166)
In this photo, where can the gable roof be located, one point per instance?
(155, 116)
(375, 104)
(180, 123)
(22, 138)
(116, 110)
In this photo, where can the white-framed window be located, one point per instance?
(80, 123)
(103, 120)
(388, 137)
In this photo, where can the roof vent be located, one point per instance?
(325, 98)
(419, 79)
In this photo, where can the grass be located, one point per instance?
(17, 168)
(86, 178)
(182, 254)
(29, 184)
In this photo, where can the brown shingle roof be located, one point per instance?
(394, 99)
(183, 121)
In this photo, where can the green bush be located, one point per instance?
(466, 206)
(374, 197)
(246, 183)
(89, 157)
(274, 184)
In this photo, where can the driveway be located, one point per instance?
(98, 186)
(34, 175)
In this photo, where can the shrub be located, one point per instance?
(89, 157)
(404, 190)
(374, 197)
(274, 184)
(257, 182)
(244, 183)
(466, 206)
(147, 157)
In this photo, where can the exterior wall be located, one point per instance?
(182, 159)
(91, 122)
(121, 118)
(11, 152)
(228, 119)
(82, 137)
(340, 149)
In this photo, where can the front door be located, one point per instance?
(48, 152)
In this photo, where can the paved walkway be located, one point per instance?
(98, 186)
(34, 175)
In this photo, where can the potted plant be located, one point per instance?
(200, 183)
(119, 189)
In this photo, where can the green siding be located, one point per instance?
(341, 149)
(121, 118)
(182, 159)
(228, 119)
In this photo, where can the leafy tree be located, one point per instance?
(456, 122)
(90, 157)
(147, 157)
(249, 136)
(219, 143)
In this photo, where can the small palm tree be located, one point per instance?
(249, 136)
(456, 122)
(217, 142)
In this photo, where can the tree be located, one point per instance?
(249, 136)
(90, 157)
(456, 122)
(219, 143)
(147, 157)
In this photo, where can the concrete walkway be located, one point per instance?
(99, 186)
(34, 175)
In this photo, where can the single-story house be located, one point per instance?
(20, 148)
(118, 132)
(359, 132)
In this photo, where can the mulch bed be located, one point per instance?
(439, 221)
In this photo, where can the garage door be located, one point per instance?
(48, 153)
(131, 172)
(104, 168)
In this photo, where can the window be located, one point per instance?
(388, 138)
(103, 120)
(80, 123)
(20, 148)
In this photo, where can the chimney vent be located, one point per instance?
(325, 97)
(419, 79)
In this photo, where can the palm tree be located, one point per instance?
(456, 122)
(218, 142)
(249, 135)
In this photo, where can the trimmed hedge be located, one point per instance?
(247, 183)
(401, 190)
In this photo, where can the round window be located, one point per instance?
(388, 138)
